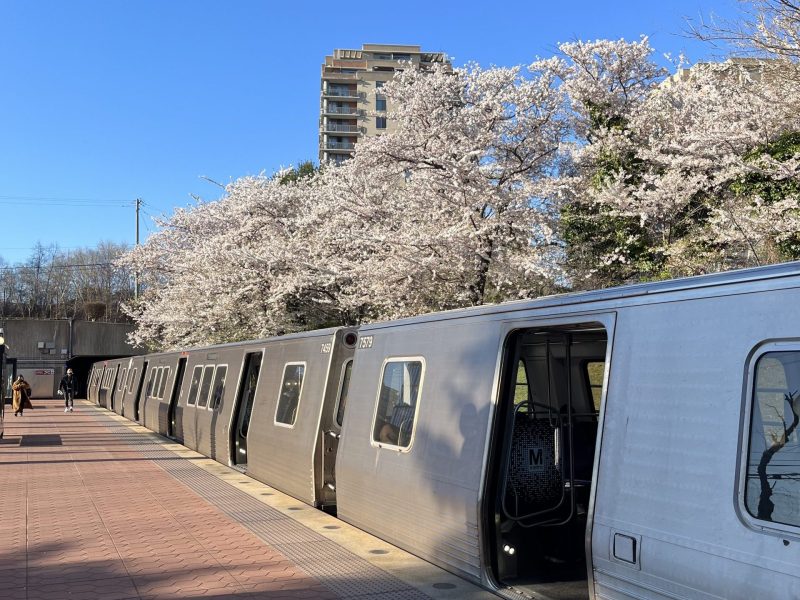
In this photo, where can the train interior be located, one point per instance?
(174, 420)
(245, 398)
(544, 456)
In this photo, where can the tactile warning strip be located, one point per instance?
(344, 573)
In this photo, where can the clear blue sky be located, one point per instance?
(104, 102)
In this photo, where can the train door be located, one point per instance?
(174, 414)
(543, 457)
(118, 388)
(112, 386)
(126, 388)
(98, 383)
(330, 442)
(90, 385)
(107, 387)
(244, 408)
(138, 397)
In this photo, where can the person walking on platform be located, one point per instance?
(22, 396)
(68, 387)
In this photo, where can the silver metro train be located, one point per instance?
(637, 442)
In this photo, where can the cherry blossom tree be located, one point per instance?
(607, 83)
(446, 210)
(659, 186)
(441, 213)
(588, 169)
(231, 269)
(766, 28)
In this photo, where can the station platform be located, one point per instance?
(94, 507)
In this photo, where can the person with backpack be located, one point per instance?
(68, 387)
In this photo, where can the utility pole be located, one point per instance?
(136, 274)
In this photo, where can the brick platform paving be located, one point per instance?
(88, 515)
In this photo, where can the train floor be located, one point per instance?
(94, 507)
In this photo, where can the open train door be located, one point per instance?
(243, 410)
(175, 413)
(137, 399)
(542, 459)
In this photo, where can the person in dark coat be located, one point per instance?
(22, 396)
(68, 387)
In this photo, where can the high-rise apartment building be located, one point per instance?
(350, 93)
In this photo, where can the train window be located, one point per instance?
(131, 379)
(205, 386)
(153, 391)
(343, 390)
(121, 382)
(521, 389)
(196, 375)
(218, 388)
(150, 383)
(772, 491)
(156, 381)
(595, 371)
(396, 410)
(163, 382)
(291, 387)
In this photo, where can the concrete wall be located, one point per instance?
(43, 347)
(107, 339)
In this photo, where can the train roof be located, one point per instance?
(625, 292)
(697, 283)
(276, 338)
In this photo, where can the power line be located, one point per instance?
(57, 266)
(61, 203)
(64, 199)
(48, 246)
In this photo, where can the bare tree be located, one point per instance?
(54, 284)
(765, 504)
(767, 28)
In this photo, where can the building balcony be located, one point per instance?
(335, 92)
(345, 146)
(336, 75)
(340, 110)
(340, 128)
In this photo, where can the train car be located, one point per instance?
(638, 442)
(107, 375)
(268, 408)
(157, 392)
(293, 388)
(293, 434)
(132, 396)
